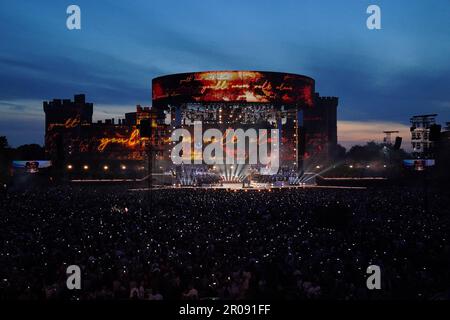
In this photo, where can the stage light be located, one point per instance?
(384, 166)
(350, 166)
(69, 167)
(317, 167)
(105, 168)
(85, 167)
(368, 166)
(123, 167)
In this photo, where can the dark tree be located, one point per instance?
(5, 153)
(3, 143)
(338, 152)
(370, 152)
(30, 152)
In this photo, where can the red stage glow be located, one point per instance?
(229, 86)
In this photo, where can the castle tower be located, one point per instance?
(63, 121)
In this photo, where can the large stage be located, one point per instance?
(238, 187)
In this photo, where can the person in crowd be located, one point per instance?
(208, 243)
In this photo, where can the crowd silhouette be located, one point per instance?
(210, 243)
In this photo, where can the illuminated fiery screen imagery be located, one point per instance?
(237, 100)
(228, 86)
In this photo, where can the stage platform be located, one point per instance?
(238, 187)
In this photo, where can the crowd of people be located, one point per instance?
(214, 243)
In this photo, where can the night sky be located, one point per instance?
(382, 77)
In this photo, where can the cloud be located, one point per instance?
(105, 78)
(386, 76)
(359, 132)
(13, 106)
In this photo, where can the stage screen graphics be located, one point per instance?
(31, 166)
(233, 86)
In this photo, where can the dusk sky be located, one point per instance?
(382, 77)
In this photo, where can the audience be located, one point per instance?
(204, 244)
